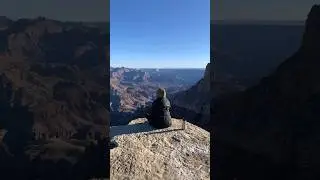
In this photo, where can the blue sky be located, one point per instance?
(160, 33)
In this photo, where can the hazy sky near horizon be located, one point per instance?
(64, 10)
(160, 33)
(261, 9)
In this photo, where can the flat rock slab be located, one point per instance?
(170, 153)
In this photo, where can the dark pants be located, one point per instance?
(159, 123)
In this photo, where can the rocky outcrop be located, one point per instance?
(194, 103)
(172, 153)
(191, 98)
(278, 118)
(311, 37)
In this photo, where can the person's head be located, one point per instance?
(161, 93)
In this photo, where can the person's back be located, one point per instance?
(160, 112)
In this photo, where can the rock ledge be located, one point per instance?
(171, 153)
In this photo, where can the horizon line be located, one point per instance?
(157, 67)
(257, 21)
(54, 19)
(276, 20)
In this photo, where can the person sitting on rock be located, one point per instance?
(160, 117)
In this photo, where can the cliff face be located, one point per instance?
(278, 117)
(129, 89)
(146, 153)
(55, 71)
(194, 103)
(190, 98)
